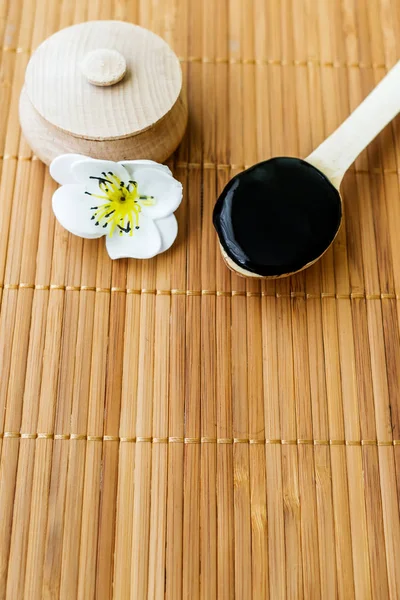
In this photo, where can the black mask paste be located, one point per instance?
(276, 217)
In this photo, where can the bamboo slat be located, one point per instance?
(168, 429)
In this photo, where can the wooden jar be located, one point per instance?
(105, 89)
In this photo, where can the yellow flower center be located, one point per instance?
(122, 206)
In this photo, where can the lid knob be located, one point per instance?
(103, 67)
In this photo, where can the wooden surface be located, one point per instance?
(103, 67)
(168, 428)
(338, 152)
(156, 143)
(147, 93)
(144, 115)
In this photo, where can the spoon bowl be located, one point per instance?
(281, 215)
(277, 218)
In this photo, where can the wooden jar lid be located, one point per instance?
(103, 80)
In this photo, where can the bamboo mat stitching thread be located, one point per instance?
(218, 293)
(223, 166)
(253, 61)
(193, 440)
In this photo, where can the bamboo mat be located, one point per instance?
(167, 428)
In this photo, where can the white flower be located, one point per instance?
(131, 202)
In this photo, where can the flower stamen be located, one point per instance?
(123, 204)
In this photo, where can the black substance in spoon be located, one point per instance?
(277, 216)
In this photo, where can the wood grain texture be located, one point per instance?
(60, 93)
(156, 143)
(168, 429)
(136, 108)
(103, 67)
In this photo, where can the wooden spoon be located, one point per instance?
(280, 216)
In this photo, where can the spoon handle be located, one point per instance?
(335, 155)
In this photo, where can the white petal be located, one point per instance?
(71, 207)
(88, 171)
(166, 190)
(60, 168)
(132, 165)
(144, 243)
(168, 228)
